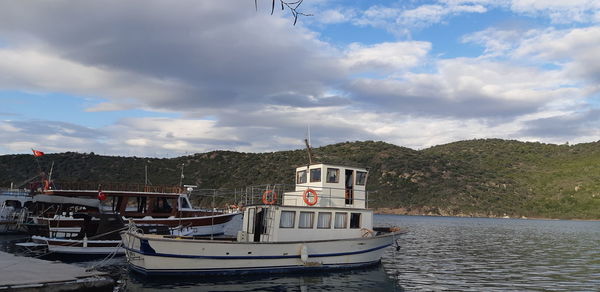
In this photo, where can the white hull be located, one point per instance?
(216, 229)
(80, 247)
(151, 254)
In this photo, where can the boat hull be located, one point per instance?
(187, 226)
(156, 255)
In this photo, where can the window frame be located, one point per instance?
(315, 179)
(328, 226)
(364, 178)
(337, 176)
(298, 177)
(312, 220)
(345, 214)
(358, 223)
(293, 219)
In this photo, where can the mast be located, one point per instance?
(181, 178)
(309, 151)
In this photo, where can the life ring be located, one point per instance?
(273, 197)
(307, 200)
(46, 185)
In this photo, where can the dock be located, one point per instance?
(18, 273)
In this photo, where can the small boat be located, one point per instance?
(96, 237)
(13, 211)
(324, 223)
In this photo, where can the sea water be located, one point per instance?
(437, 254)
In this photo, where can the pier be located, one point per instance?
(19, 273)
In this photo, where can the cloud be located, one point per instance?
(574, 127)
(563, 12)
(244, 80)
(189, 54)
(386, 57)
(466, 88)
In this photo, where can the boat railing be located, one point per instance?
(327, 195)
(14, 192)
(122, 187)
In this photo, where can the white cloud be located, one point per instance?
(385, 57)
(578, 11)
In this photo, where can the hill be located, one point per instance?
(489, 177)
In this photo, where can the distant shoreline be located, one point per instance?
(419, 212)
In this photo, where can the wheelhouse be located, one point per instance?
(328, 202)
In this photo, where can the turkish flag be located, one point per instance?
(37, 153)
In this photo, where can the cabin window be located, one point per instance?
(340, 220)
(333, 175)
(354, 220)
(287, 219)
(306, 220)
(161, 205)
(324, 220)
(183, 203)
(315, 175)
(361, 178)
(301, 177)
(136, 204)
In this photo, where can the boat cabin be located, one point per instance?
(329, 202)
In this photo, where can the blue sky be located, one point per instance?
(157, 78)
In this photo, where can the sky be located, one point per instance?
(170, 78)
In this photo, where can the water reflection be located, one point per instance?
(371, 279)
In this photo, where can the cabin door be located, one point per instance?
(258, 224)
(349, 194)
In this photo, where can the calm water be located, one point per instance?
(438, 254)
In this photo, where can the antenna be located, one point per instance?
(181, 179)
(309, 134)
(309, 151)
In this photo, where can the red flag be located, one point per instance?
(37, 153)
(101, 196)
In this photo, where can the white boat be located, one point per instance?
(13, 211)
(324, 223)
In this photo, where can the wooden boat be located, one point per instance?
(152, 206)
(323, 223)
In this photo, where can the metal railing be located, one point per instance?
(121, 187)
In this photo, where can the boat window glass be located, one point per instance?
(333, 175)
(306, 220)
(183, 203)
(301, 177)
(354, 220)
(251, 213)
(361, 178)
(161, 205)
(340, 220)
(324, 220)
(287, 219)
(315, 175)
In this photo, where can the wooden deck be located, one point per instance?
(19, 273)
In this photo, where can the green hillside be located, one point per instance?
(489, 177)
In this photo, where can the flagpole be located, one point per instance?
(37, 161)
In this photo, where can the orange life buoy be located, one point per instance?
(307, 200)
(273, 197)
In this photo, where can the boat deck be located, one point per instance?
(25, 273)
